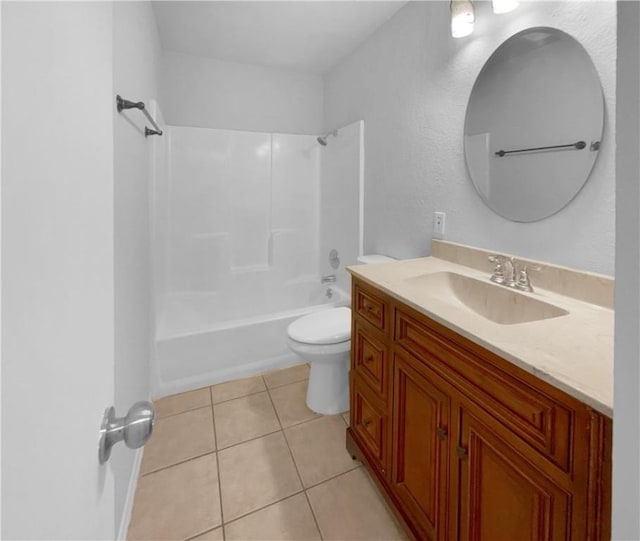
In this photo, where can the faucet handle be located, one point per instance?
(498, 272)
(523, 283)
(327, 279)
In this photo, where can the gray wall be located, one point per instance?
(626, 450)
(136, 55)
(208, 93)
(411, 81)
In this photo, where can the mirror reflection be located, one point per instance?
(534, 124)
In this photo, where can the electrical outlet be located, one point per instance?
(438, 224)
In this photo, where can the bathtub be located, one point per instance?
(195, 347)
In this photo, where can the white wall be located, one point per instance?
(626, 450)
(209, 93)
(57, 276)
(340, 201)
(136, 55)
(410, 82)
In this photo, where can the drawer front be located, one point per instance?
(371, 359)
(371, 308)
(542, 422)
(370, 422)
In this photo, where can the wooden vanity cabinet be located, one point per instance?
(464, 444)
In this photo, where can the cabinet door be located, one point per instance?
(420, 446)
(503, 497)
(370, 422)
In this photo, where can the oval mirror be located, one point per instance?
(534, 124)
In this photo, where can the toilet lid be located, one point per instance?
(324, 327)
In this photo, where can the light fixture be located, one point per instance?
(462, 18)
(505, 6)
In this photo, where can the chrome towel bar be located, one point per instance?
(122, 104)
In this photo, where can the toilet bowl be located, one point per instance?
(324, 340)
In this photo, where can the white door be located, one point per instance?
(57, 269)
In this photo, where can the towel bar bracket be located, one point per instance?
(122, 105)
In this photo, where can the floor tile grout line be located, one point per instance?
(315, 415)
(215, 435)
(217, 450)
(333, 477)
(297, 493)
(273, 405)
(313, 514)
(295, 465)
(303, 490)
(285, 384)
(251, 439)
(309, 419)
(293, 458)
(209, 387)
(204, 532)
(182, 412)
(176, 463)
(237, 397)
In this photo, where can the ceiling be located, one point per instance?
(299, 35)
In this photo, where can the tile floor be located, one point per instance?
(246, 460)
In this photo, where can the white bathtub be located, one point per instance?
(196, 348)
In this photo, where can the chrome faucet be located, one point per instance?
(516, 279)
(328, 279)
(498, 272)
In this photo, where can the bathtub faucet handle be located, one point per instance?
(329, 278)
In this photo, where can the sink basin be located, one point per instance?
(493, 302)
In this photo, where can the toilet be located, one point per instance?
(324, 340)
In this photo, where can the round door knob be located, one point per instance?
(134, 428)
(138, 424)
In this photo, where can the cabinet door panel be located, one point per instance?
(420, 466)
(503, 497)
(370, 359)
(370, 422)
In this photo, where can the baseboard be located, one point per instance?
(131, 493)
(226, 374)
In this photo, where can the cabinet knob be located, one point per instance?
(462, 453)
(442, 433)
(366, 422)
(368, 359)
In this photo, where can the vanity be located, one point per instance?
(483, 416)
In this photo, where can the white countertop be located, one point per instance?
(573, 352)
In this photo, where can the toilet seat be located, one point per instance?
(325, 327)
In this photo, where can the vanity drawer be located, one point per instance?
(371, 307)
(542, 421)
(370, 422)
(371, 359)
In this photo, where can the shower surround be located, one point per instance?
(237, 234)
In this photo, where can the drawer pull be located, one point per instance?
(366, 422)
(368, 359)
(442, 433)
(462, 453)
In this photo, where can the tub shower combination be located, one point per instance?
(239, 230)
